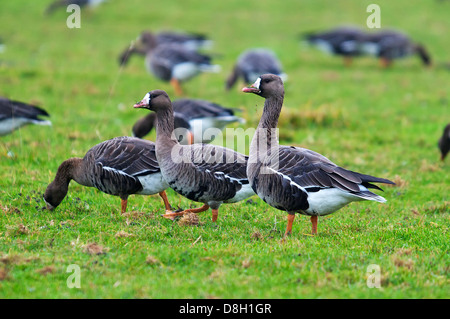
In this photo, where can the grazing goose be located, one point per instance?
(173, 62)
(121, 166)
(198, 116)
(342, 41)
(14, 114)
(295, 179)
(389, 45)
(251, 64)
(444, 142)
(64, 3)
(191, 41)
(200, 172)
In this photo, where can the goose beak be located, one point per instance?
(141, 104)
(251, 89)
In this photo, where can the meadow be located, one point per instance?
(382, 122)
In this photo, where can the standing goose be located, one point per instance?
(173, 62)
(14, 114)
(191, 41)
(200, 172)
(64, 3)
(342, 41)
(444, 142)
(197, 116)
(295, 179)
(121, 166)
(388, 45)
(251, 64)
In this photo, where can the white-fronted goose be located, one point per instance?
(200, 115)
(14, 114)
(64, 3)
(388, 45)
(342, 41)
(251, 64)
(297, 180)
(444, 142)
(191, 41)
(121, 166)
(173, 62)
(200, 172)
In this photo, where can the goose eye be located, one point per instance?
(266, 80)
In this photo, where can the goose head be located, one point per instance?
(266, 85)
(155, 100)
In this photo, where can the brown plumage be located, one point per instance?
(201, 172)
(295, 179)
(121, 167)
(444, 142)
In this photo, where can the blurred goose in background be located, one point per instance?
(251, 64)
(388, 45)
(143, 44)
(64, 3)
(203, 173)
(173, 62)
(342, 41)
(2, 46)
(444, 142)
(121, 166)
(14, 114)
(197, 116)
(294, 179)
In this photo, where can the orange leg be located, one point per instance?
(314, 224)
(215, 214)
(290, 219)
(348, 60)
(166, 201)
(193, 210)
(176, 85)
(190, 137)
(124, 203)
(385, 62)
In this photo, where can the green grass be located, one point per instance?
(380, 122)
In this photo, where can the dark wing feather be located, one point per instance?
(195, 108)
(10, 108)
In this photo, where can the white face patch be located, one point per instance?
(146, 99)
(257, 83)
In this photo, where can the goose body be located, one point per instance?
(121, 166)
(252, 63)
(201, 172)
(15, 114)
(197, 116)
(64, 3)
(342, 41)
(388, 45)
(298, 180)
(444, 142)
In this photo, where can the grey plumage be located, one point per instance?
(251, 64)
(444, 142)
(295, 179)
(121, 166)
(200, 172)
(15, 114)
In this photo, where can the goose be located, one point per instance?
(15, 114)
(197, 116)
(252, 63)
(444, 142)
(389, 45)
(191, 41)
(64, 3)
(173, 62)
(342, 41)
(121, 166)
(294, 179)
(200, 172)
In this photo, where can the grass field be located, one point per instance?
(380, 122)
